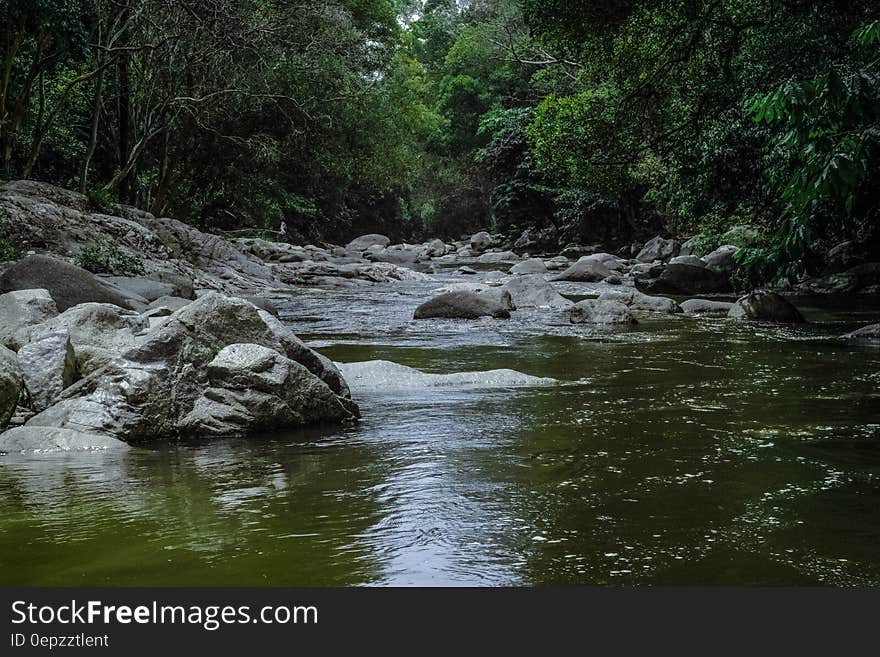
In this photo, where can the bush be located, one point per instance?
(105, 257)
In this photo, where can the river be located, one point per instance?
(678, 451)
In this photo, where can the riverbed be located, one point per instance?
(678, 451)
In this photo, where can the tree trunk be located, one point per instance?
(93, 133)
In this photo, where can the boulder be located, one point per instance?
(68, 284)
(397, 257)
(141, 287)
(481, 241)
(533, 291)
(533, 240)
(688, 280)
(252, 388)
(692, 247)
(530, 266)
(364, 242)
(844, 256)
(741, 236)
(586, 270)
(691, 260)
(636, 300)
(149, 392)
(434, 248)
(99, 332)
(495, 257)
(462, 305)
(20, 311)
(493, 292)
(50, 439)
(557, 262)
(169, 303)
(658, 248)
(765, 306)
(48, 366)
(870, 332)
(10, 384)
(260, 302)
(722, 259)
(595, 311)
(466, 271)
(706, 307)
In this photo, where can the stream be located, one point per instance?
(678, 451)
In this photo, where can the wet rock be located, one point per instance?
(494, 292)
(481, 241)
(586, 270)
(636, 300)
(691, 260)
(67, 284)
(688, 280)
(495, 257)
(658, 248)
(364, 242)
(384, 376)
(698, 307)
(11, 384)
(253, 388)
(462, 305)
(20, 311)
(596, 311)
(765, 306)
(530, 266)
(692, 247)
(466, 271)
(557, 263)
(870, 332)
(50, 439)
(533, 291)
(48, 366)
(722, 259)
(434, 249)
(399, 257)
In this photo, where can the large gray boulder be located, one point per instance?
(434, 248)
(495, 257)
(364, 242)
(722, 259)
(48, 366)
(463, 305)
(20, 311)
(253, 388)
(691, 260)
(586, 270)
(697, 307)
(481, 241)
(398, 257)
(596, 311)
(530, 266)
(658, 248)
(148, 289)
(636, 300)
(688, 280)
(147, 393)
(99, 332)
(68, 284)
(10, 384)
(766, 306)
(51, 439)
(741, 236)
(870, 332)
(533, 291)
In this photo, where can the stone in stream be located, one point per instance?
(658, 248)
(688, 280)
(765, 306)
(20, 311)
(465, 271)
(68, 284)
(636, 300)
(493, 292)
(586, 270)
(11, 384)
(50, 439)
(706, 307)
(463, 305)
(481, 241)
(596, 311)
(530, 266)
(694, 261)
(48, 366)
(870, 332)
(383, 376)
(533, 291)
(722, 259)
(364, 242)
(148, 392)
(495, 257)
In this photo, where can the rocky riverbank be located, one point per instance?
(182, 339)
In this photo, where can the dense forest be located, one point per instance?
(601, 121)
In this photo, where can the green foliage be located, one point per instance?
(104, 257)
(101, 200)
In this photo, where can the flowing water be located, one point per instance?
(678, 451)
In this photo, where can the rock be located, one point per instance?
(11, 384)
(692, 247)
(844, 256)
(740, 236)
(465, 252)
(142, 287)
(170, 303)
(658, 248)
(722, 259)
(20, 311)
(260, 302)
(434, 248)
(532, 291)
(50, 439)
(364, 242)
(48, 366)
(637, 301)
(466, 271)
(385, 376)
(493, 292)
(462, 305)
(149, 392)
(585, 270)
(557, 262)
(765, 306)
(870, 332)
(99, 332)
(610, 260)
(398, 257)
(481, 241)
(530, 266)
(68, 284)
(706, 307)
(537, 240)
(691, 260)
(688, 280)
(253, 388)
(495, 257)
(613, 280)
(595, 311)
